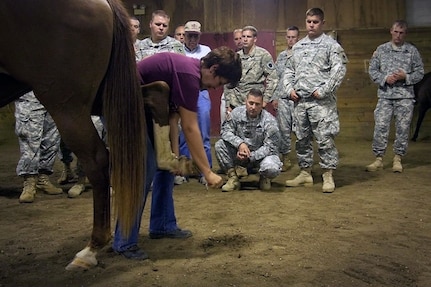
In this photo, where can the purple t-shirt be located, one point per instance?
(181, 73)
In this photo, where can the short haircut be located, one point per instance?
(293, 28)
(229, 64)
(400, 23)
(237, 31)
(255, 92)
(252, 29)
(315, 12)
(161, 13)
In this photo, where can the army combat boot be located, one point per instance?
(232, 181)
(376, 165)
(304, 178)
(45, 185)
(29, 189)
(67, 175)
(264, 183)
(328, 181)
(396, 165)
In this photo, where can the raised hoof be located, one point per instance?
(187, 167)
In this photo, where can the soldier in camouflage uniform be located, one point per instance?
(249, 138)
(258, 71)
(39, 141)
(257, 68)
(312, 76)
(159, 41)
(281, 102)
(395, 66)
(135, 27)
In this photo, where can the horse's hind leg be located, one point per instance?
(82, 138)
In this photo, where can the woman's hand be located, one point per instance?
(214, 180)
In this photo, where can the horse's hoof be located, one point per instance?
(84, 260)
(79, 264)
(188, 167)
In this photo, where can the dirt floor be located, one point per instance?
(374, 230)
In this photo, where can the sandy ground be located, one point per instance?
(374, 230)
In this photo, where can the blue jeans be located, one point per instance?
(204, 121)
(162, 218)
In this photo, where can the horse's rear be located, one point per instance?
(68, 52)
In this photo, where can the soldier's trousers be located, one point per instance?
(269, 166)
(284, 119)
(402, 111)
(318, 119)
(38, 137)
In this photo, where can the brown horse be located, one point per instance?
(76, 55)
(423, 101)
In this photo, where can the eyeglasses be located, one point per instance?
(180, 34)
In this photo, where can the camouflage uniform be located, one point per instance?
(169, 44)
(258, 71)
(261, 135)
(318, 64)
(137, 52)
(397, 99)
(285, 105)
(39, 139)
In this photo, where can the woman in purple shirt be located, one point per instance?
(185, 77)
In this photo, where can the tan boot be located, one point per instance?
(376, 165)
(241, 171)
(304, 178)
(78, 188)
(29, 189)
(45, 185)
(67, 175)
(232, 182)
(396, 165)
(328, 181)
(166, 159)
(286, 162)
(264, 183)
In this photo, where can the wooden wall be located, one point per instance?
(226, 15)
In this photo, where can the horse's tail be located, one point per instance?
(124, 112)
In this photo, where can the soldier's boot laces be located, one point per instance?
(304, 178)
(29, 189)
(67, 175)
(328, 181)
(45, 185)
(376, 165)
(396, 165)
(264, 183)
(232, 182)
